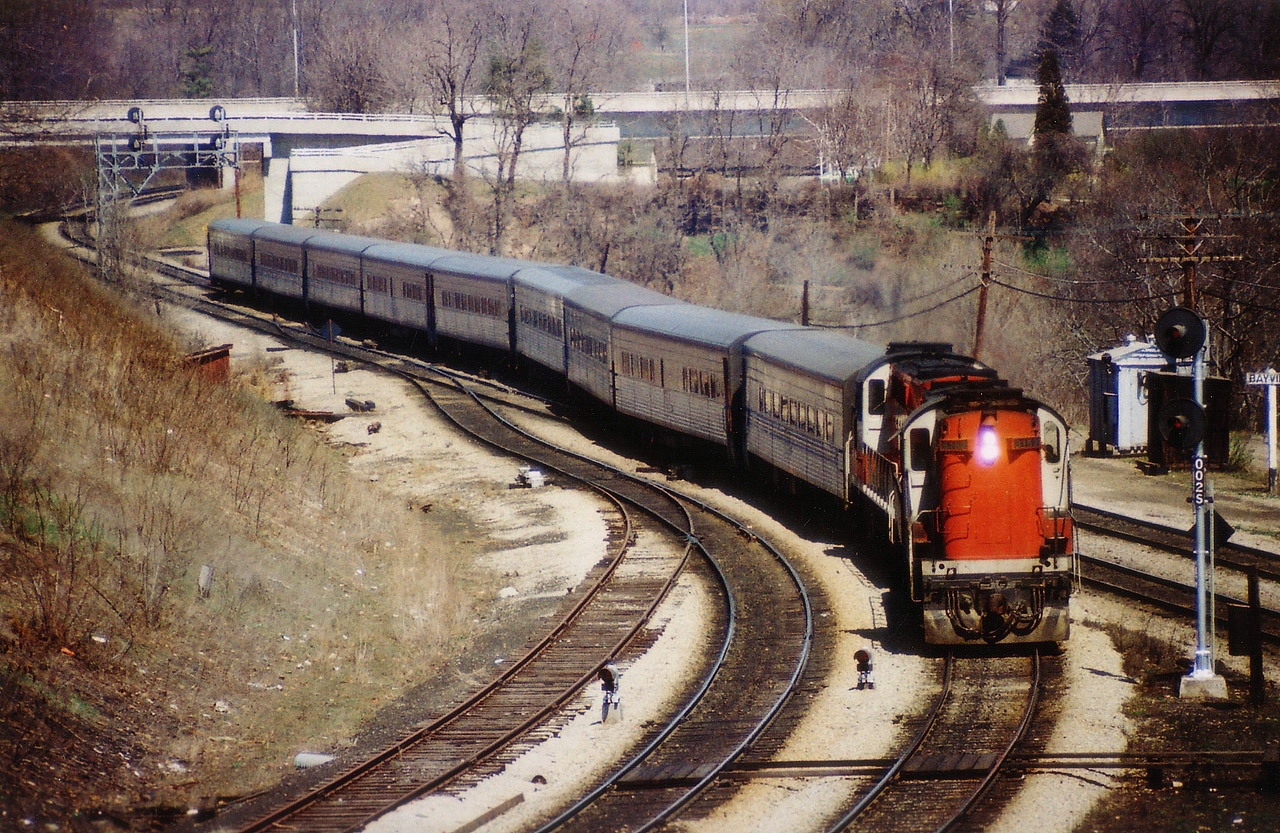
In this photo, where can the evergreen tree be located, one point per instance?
(1061, 33)
(197, 78)
(1055, 152)
(1053, 112)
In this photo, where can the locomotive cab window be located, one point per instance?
(875, 396)
(1052, 443)
(921, 449)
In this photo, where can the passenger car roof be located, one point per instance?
(347, 243)
(479, 266)
(822, 353)
(607, 300)
(698, 325)
(411, 254)
(561, 280)
(238, 225)
(283, 234)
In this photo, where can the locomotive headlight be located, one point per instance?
(986, 446)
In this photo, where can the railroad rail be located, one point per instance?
(983, 712)
(1173, 595)
(769, 625)
(564, 664)
(1177, 541)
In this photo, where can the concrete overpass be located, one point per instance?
(307, 156)
(81, 121)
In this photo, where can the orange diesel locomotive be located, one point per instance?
(979, 496)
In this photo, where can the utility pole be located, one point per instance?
(686, 53)
(988, 243)
(1190, 242)
(295, 49)
(951, 28)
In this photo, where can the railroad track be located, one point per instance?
(762, 655)
(1177, 541)
(960, 747)
(1171, 594)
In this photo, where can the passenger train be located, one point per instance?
(967, 476)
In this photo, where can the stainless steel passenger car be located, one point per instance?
(680, 366)
(473, 298)
(588, 316)
(539, 293)
(399, 284)
(801, 401)
(279, 259)
(333, 269)
(230, 244)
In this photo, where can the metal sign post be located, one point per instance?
(1270, 378)
(1181, 334)
(1203, 668)
(1202, 682)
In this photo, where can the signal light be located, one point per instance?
(1180, 333)
(1181, 423)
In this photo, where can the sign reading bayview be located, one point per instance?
(1270, 378)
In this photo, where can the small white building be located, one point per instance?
(1118, 396)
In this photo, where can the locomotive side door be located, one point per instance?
(919, 492)
(1054, 456)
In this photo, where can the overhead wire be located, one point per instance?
(1013, 267)
(1172, 293)
(899, 318)
(944, 287)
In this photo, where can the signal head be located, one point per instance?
(1181, 423)
(1180, 333)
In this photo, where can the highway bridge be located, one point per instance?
(307, 156)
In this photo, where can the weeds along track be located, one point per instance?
(762, 638)
(1168, 581)
(961, 746)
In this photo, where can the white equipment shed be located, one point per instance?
(1118, 396)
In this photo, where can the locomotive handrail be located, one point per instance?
(880, 474)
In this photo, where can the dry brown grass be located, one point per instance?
(122, 473)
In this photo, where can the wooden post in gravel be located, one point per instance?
(1257, 683)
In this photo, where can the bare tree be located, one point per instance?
(935, 91)
(346, 68)
(1205, 26)
(254, 49)
(771, 64)
(1255, 43)
(457, 33)
(584, 41)
(517, 74)
(847, 133)
(1136, 31)
(52, 49)
(1001, 9)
